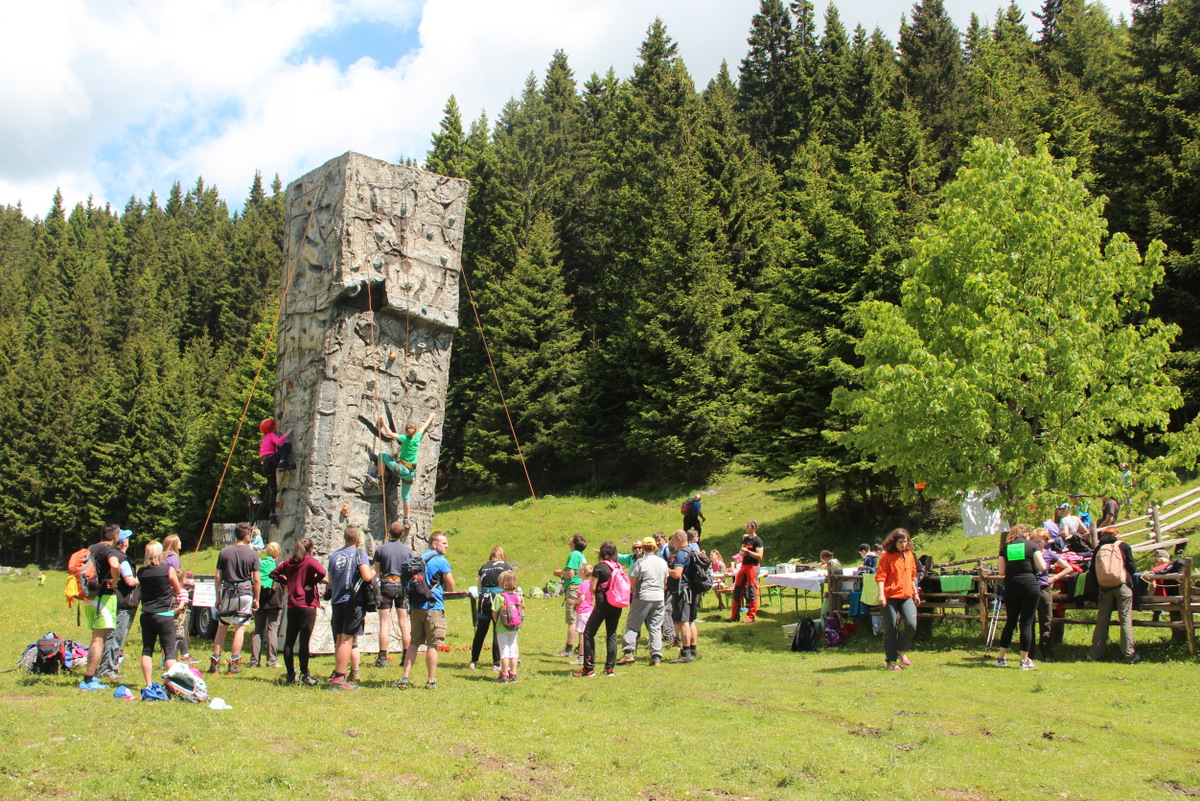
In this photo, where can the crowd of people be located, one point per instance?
(657, 587)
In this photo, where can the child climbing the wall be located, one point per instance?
(274, 453)
(406, 466)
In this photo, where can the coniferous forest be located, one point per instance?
(667, 272)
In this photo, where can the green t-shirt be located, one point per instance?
(409, 447)
(626, 559)
(574, 562)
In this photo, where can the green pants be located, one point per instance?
(406, 474)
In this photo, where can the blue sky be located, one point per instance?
(118, 98)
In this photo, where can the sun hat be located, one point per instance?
(218, 703)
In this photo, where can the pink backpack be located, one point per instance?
(617, 592)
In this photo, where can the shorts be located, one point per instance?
(581, 623)
(570, 596)
(392, 595)
(347, 620)
(101, 613)
(428, 626)
(683, 607)
(235, 607)
(506, 641)
(162, 629)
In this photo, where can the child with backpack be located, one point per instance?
(508, 612)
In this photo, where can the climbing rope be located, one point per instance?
(257, 373)
(504, 403)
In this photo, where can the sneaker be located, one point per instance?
(341, 683)
(893, 666)
(584, 674)
(609, 672)
(1027, 664)
(308, 681)
(291, 679)
(1133, 660)
(431, 685)
(274, 665)
(626, 660)
(1001, 662)
(253, 663)
(496, 669)
(188, 658)
(577, 660)
(501, 679)
(353, 675)
(402, 684)
(904, 660)
(512, 677)
(655, 661)
(235, 665)
(564, 654)
(381, 661)
(214, 664)
(682, 659)
(471, 666)
(732, 620)
(93, 685)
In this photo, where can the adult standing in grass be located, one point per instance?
(429, 617)
(570, 582)
(692, 516)
(1110, 581)
(302, 574)
(1020, 562)
(160, 588)
(745, 583)
(389, 560)
(348, 567)
(603, 613)
(648, 580)
(101, 611)
(489, 587)
(129, 595)
(896, 577)
(683, 599)
(171, 547)
(269, 612)
(237, 587)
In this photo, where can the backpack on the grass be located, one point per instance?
(512, 613)
(617, 592)
(186, 684)
(52, 654)
(700, 574)
(833, 630)
(807, 636)
(1110, 565)
(155, 692)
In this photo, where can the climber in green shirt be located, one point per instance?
(406, 466)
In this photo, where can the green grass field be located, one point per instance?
(749, 720)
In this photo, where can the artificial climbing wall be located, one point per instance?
(372, 259)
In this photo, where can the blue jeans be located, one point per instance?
(894, 644)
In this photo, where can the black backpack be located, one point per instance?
(417, 587)
(700, 575)
(808, 635)
(371, 591)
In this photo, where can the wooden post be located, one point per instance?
(1186, 587)
(1154, 523)
(983, 604)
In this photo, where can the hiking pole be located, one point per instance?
(993, 623)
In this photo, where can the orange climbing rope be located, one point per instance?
(258, 373)
(504, 403)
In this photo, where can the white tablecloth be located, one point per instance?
(808, 580)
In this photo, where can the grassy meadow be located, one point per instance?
(749, 720)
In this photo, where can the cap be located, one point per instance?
(124, 535)
(649, 542)
(696, 496)
(1161, 554)
(123, 693)
(218, 703)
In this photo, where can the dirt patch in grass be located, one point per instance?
(867, 731)
(1180, 789)
(21, 699)
(961, 795)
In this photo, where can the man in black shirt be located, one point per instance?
(101, 611)
(389, 559)
(238, 584)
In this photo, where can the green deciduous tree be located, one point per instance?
(1022, 350)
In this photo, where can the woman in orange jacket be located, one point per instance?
(898, 595)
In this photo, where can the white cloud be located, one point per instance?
(120, 98)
